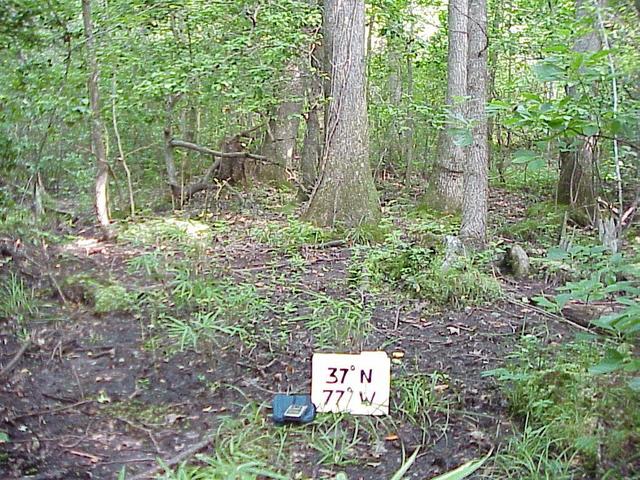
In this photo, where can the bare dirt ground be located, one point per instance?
(89, 394)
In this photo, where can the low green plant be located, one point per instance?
(288, 238)
(18, 301)
(151, 263)
(534, 454)
(336, 443)
(415, 395)
(591, 420)
(542, 224)
(336, 323)
(420, 272)
(114, 298)
(168, 232)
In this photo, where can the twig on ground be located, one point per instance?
(50, 411)
(142, 429)
(12, 363)
(553, 316)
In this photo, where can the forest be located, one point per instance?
(201, 201)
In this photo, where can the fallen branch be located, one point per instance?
(181, 457)
(50, 411)
(554, 316)
(216, 153)
(12, 363)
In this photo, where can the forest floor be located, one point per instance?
(185, 327)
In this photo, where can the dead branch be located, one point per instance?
(216, 153)
(12, 363)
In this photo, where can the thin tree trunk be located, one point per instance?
(172, 175)
(116, 131)
(473, 230)
(282, 130)
(408, 133)
(448, 181)
(576, 182)
(345, 192)
(97, 141)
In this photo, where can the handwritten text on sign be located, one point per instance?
(357, 384)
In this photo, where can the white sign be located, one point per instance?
(357, 384)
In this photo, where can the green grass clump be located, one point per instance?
(588, 422)
(113, 298)
(17, 301)
(288, 238)
(419, 271)
(336, 323)
(169, 231)
(542, 224)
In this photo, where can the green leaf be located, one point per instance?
(557, 253)
(545, 303)
(634, 384)
(399, 475)
(537, 164)
(590, 129)
(465, 470)
(521, 157)
(4, 437)
(548, 72)
(612, 361)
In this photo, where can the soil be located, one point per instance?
(78, 403)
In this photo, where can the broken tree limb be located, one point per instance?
(216, 153)
(202, 185)
(12, 363)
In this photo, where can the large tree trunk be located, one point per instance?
(282, 129)
(473, 230)
(312, 144)
(345, 192)
(97, 141)
(448, 172)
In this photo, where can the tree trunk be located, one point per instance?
(345, 192)
(448, 172)
(282, 130)
(172, 176)
(576, 183)
(312, 145)
(473, 230)
(408, 146)
(97, 140)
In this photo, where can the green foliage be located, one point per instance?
(18, 302)
(113, 298)
(215, 309)
(541, 225)
(419, 271)
(336, 323)
(290, 237)
(168, 232)
(415, 395)
(570, 413)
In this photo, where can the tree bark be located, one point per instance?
(172, 176)
(448, 172)
(576, 182)
(97, 140)
(282, 129)
(473, 230)
(312, 144)
(345, 192)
